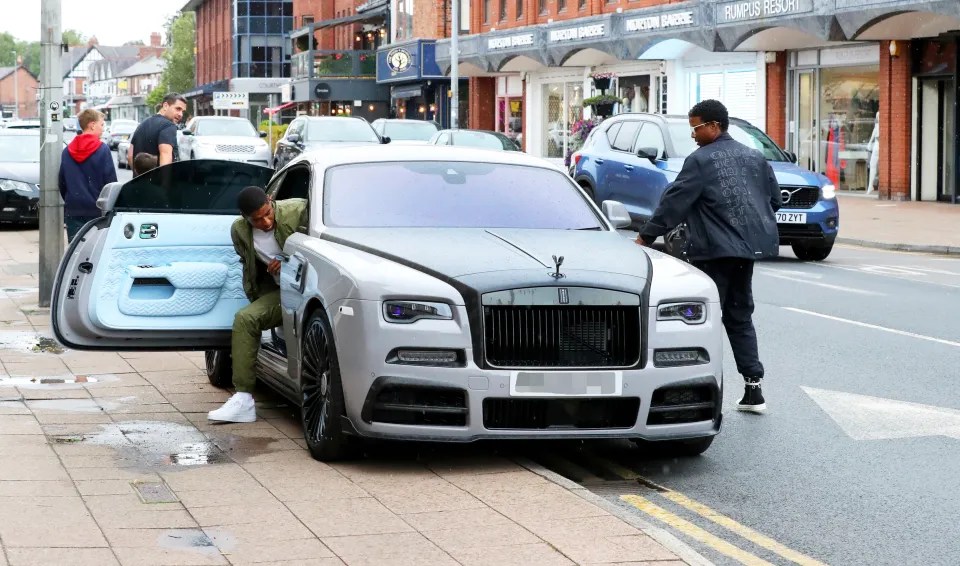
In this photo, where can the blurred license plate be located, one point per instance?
(593, 383)
(791, 218)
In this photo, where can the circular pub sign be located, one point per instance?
(399, 60)
(322, 90)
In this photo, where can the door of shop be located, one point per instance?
(805, 134)
(936, 145)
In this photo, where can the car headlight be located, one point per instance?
(19, 187)
(829, 191)
(406, 312)
(690, 313)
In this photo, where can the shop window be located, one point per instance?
(563, 108)
(849, 102)
(626, 136)
(636, 91)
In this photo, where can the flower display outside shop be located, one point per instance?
(579, 132)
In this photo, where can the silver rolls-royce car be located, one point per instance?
(449, 295)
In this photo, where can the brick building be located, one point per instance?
(862, 91)
(18, 92)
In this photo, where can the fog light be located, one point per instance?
(831, 222)
(428, 357)
(674, 358)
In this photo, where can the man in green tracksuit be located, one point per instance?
(258, 238)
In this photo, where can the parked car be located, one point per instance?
(450, 295)
(475, 138)
(28, 124)
(19, 176)
(117, 131)
(122, 148)
(405, 131)
(223, 137)
(308, 133)
(71, 129)
(634, 157)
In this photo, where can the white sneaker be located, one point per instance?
(238, 409)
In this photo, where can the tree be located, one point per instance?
(180, 72)
(73, 37)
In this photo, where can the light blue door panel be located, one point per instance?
(168, 271)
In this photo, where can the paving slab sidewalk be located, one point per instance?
(107, 459)
(899, 225)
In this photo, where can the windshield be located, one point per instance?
(749, 136)
(417, 131)
(479, 139)
(236, 128)
(194, 186)
(20, 149)
(341, 130)
(438, 194)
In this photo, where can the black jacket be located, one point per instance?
(727, 194)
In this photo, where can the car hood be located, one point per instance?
(229, 140)
(310, 145)
(25, 172)
(505, 257)
(787, 173)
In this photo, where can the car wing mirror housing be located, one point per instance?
(650, 153)
(108, 196)
(616, 213)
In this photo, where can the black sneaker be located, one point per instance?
(752, 401)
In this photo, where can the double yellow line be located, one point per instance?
(697, 533)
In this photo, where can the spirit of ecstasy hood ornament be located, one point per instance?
(558, 261)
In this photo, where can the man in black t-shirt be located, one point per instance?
(157, 135)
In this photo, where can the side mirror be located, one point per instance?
(108, 196)
(616, 213)
(385, 139)
(792, 156)
(263, 134)
(294, 138)
(187, 132)
(650, 153)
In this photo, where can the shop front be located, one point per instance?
(418, 88)
(833, 112)
(936, 124)
(262, 93)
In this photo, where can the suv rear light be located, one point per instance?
(576, 157)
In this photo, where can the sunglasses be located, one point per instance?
(694, 128)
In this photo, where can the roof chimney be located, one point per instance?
(154, 39)
(92, 41)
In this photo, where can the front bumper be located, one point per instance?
(20, 212)
(468, 403)
(257, 158)
(822, 225)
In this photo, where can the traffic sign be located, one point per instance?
(231, 101)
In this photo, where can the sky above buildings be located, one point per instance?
(114, 22)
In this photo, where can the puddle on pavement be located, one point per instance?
(29, 342)
(157, 445)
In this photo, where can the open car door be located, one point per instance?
(158, 271)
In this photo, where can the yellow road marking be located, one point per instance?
(693, 531)
(742, 530)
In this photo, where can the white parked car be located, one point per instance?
(223, 137)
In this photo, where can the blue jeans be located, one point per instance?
(74, 224)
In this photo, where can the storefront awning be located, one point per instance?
(407, 91)
(275, 109)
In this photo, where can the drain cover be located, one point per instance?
(154, 492)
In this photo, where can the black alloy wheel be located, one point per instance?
(321, 393)
(219, 368)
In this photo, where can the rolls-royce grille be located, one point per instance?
(799, 197)
(231, 148)
(562, 336)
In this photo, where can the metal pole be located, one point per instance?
(270, 105)
(16, 85)
(454, 65)
(51, 146)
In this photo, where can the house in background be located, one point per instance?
(133, 85)
(18, 86)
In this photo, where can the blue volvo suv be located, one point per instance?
(633, 158)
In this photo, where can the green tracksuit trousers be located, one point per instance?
(248, 325)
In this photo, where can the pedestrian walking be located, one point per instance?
(727, 194)
(157, 135)
(85, 167)
(258, 238)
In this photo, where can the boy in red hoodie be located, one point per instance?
(85, 167)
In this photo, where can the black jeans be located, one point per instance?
(734, 279)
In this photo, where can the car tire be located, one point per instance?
(219, 368)
(687, 448)
(589, 190)
(321, 393)
(812, 253)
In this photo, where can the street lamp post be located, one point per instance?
(16, 85)
(455, 65)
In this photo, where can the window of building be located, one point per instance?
(581, 4)
(561, 5)
(503, 10)
(486, 11)
(306, 21)
(542, 6)
(520, 9)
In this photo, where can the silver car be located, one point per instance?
(451, 295)
(223, 137)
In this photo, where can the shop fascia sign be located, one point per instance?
(510, 42)
(659, 22)
(746, 10)
(578, 33)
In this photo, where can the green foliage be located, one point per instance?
(278, 132)
(600, 99)
(73, 37)
(29, 52)
(180, 72)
